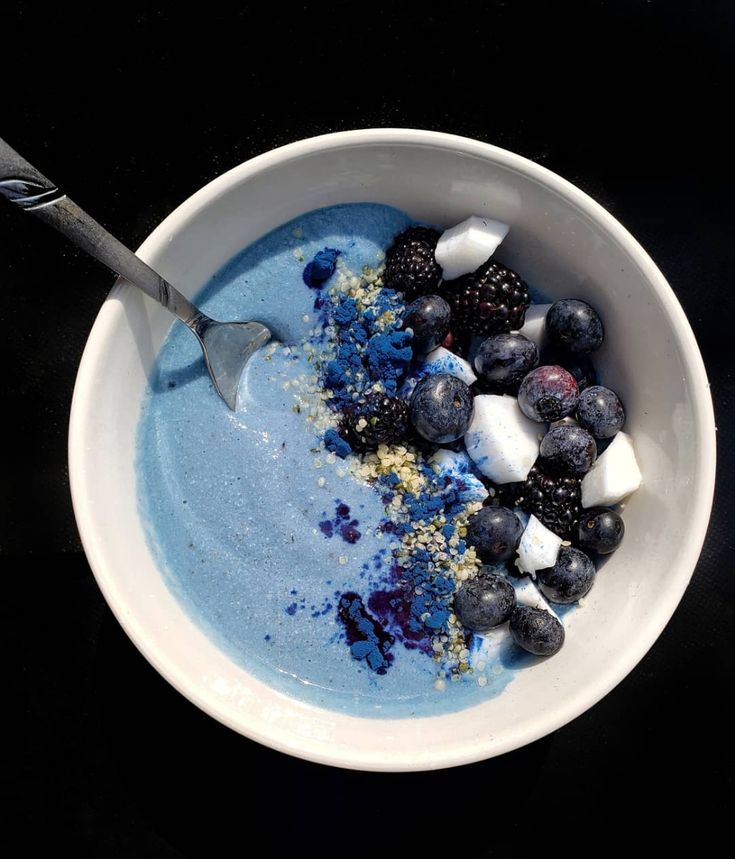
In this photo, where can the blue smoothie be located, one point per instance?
(284, 553)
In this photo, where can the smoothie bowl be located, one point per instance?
(261, 566)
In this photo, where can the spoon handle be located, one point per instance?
(31, 191)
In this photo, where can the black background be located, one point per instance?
(131, 110)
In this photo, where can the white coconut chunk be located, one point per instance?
(535, 325)
(464, 248)
(614, 476)
(486, 647)
(528, 594)
(451, 461)
(458, 466)
(538, 549)
(441, 360)
(501, 440)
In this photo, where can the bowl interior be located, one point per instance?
(562, 243)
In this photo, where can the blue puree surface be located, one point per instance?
(255, 549)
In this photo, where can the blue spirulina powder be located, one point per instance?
(271, 545)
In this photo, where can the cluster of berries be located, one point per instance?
(479, 317)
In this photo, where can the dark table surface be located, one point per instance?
(133, 110)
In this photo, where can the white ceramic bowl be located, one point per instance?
(561, 241)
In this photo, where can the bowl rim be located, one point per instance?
(701, 494)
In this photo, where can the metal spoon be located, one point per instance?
(227, 346)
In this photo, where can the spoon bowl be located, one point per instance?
(227, 347)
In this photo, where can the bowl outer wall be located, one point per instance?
(540, 699)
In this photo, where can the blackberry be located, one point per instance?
(491, 300)
(554, 501)
(410, 266)
(378, 419)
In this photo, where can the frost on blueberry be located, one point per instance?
(548, 393)
(441, 408)
(575, 326)
(537, 631)
(429, 318)
(484, 602)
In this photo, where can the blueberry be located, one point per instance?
(484, 602)
(429, 318)
(495, 532)
(536, 630)
(600, 411)
(504, 359)
(548, 393)
(600, 530)
(441, 408)
(568, 449)
(571, 577)
(574, 325)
